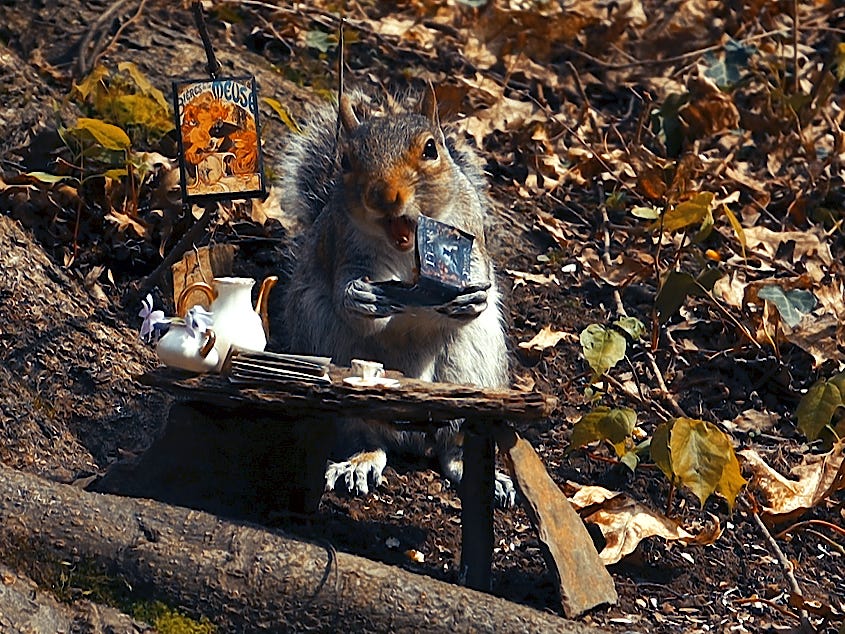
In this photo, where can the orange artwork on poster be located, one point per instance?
(220, 147)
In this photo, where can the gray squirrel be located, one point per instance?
(364, 185)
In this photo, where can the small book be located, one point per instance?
(250, 366)
(443, 255)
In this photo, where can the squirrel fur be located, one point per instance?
(364, 185)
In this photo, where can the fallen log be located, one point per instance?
(26, 608)
(243, 578)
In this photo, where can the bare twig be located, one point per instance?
(727, 314)
(837, 547)
(620, 309)
(82, 65)
(659, 410)
(788, 569)
(768, 602)
(795, 84)
(191, 235)
(806, 523)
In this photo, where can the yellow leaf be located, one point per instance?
(817, 407)
(93, 83)
(603, 348)
(143, 83)
(604, 423)
(283, 114)
(839, 61)
(690, 212)
(703, 459)
(738, 230)
(141, 110)
(659, 449)
(109, 136)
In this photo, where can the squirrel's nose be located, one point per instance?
(385, 197)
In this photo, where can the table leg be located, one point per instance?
(477, 492)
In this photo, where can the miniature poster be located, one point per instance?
(219, 146)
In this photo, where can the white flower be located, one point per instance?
(197, 321)
(152, 318)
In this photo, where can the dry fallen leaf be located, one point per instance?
(624, 522)
(523, 382)
(546, 338)
(415, 556)
(521, 277)
(818, 477)
(751, 421)
(807, 243)
(624, 270)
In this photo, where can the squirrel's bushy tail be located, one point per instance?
(310, 165)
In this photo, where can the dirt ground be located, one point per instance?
(69, 415)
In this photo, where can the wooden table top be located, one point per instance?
(412, 400)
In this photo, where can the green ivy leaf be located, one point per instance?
(630, 460)
(726, 67)
(667, 121)
(320, 40)
(603, 348)
(791, 305)
(676, 287)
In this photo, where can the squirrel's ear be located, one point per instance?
(347, 115)
(428, 106)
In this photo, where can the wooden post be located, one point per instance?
(477, 492)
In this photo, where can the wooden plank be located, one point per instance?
(201, 265)
(583, 580)
(476, 491)
(415, 401)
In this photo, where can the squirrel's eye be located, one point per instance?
(430, 150)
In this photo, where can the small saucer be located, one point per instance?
(378, 381)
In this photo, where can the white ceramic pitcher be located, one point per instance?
(236, 322)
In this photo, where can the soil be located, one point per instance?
(68, 414)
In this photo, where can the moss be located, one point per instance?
(170, 621)
(71, 581)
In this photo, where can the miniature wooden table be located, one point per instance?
(419, 404)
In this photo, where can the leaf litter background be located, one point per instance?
(680, 162)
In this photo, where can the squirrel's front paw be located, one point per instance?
(358, 473)
(363, 298)
(469, 304)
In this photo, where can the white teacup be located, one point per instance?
(367, 369)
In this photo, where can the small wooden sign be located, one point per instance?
(219, 144)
